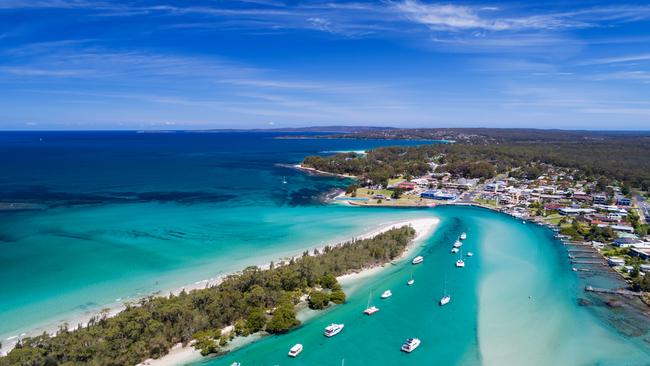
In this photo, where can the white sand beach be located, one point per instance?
(424, 227)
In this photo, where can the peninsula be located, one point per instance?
(255, 300)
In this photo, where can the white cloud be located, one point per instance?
(619, 59)
(465, 17)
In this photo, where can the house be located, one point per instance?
(625, 242)
(600, 199)
(643, 253)
(623, 201)
(645, 268)
(438, 195)
(615, 261)
(407, 186)
(569, 211)
(552, 206)
(623, 228)
(581, 196)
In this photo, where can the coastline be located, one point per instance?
(424, 227)
(111, 309)
(321, 172)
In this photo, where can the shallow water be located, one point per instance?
(131, 214)
(513, 304)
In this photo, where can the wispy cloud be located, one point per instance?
(465, 17)
(618, 59)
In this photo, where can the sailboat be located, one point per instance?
(460, 263)
(445, 298)
(284, 180)
(411, 281)
(370, 309)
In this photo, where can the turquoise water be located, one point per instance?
(515, 303)
(125, 215)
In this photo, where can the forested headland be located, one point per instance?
(253, 300)
(624, 159)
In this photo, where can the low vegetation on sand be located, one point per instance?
(253, 300)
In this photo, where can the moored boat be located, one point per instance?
(463, 236)
(370, 309)
(470, 254)
(460, 263)
(454, 250)
(295, 350)
(386, 294)
(410, 345)
(458, 244)
(445, 300)
(418, 259)
(333, 329)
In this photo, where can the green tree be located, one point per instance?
(328, 281)
(337, 297)
(283, 319)
(318, 300)
(256, 320)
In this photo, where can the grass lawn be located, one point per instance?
(365, 192)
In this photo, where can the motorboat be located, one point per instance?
(333, 329)
(460, 263)
(418, 259)
(386, 294)
(454, 250)
(295, 350)
(445, 300)
(463, 236)
(410, 345)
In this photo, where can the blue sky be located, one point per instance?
(100, 64)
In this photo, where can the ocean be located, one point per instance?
(115, 216)
(109, 217)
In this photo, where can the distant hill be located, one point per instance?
(322, 129)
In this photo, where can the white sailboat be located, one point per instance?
(284, 180)
(446, 298)
(460, 263)
(370, 309)
(411, 280)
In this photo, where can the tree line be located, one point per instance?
(253, 300)
(624, 159)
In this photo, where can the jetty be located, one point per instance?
(591, 262)
(618, 291)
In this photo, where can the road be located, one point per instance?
(644, 207)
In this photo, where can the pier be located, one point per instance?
(581, 251)
(618, 291)
(576, 261)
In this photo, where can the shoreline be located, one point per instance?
(320, 172)
(110, 310)
(424, 227)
